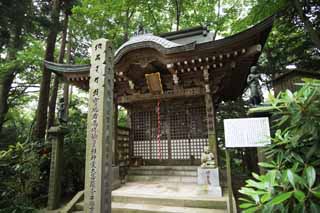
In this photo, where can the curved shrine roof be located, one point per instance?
(228, 61)
(151, 41)
(147, 38)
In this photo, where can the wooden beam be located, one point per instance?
(252, 50)
(192, 92)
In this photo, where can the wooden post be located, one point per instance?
(98, 179)
(229, 182)
(115, 150)
(210, 110)
(56, 136)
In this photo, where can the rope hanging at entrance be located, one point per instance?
(159, 130)
(155, 87)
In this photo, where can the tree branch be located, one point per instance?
(307, 24)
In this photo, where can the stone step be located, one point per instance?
(149, 208)
(177, 168)
(168, 172)
(163, 178)
(175, 201)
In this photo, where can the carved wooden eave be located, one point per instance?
(77, 75)
(181, 65)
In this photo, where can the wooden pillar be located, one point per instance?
(129, 125)
(98, 178)
(115, 144)
(56, 137)
(210, 110)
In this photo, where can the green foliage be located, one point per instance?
(289, 43)
(21, 179)
(122, 117)
(75, 148)
(291, 181)
(117, 20)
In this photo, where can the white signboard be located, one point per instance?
(247, 132)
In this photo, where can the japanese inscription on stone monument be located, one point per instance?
(247, 132)
(99, 129)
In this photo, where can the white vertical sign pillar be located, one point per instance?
(100, 126)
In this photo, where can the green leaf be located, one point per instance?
(250, 191)
(245, 200)
(316, 191)
(246, 205)
(266, 197)
(299, 195)
(256, 176)
(255, 184)
(311, 175)
(251, 210)
(281, 198)
(290, 176)
(297, 157)
(266, 165)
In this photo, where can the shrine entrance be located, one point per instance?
(183, 132)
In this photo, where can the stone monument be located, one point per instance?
(208, 174)
(207, 159)
(98, 179)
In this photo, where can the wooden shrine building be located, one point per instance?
(171, 85)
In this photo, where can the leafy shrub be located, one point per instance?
(74, 150)
(22, 185)
(291, 183)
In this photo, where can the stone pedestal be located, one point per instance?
(56, 138)
(209, 178)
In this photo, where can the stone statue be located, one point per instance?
(62, 111)
(207, 158)
(256, 96)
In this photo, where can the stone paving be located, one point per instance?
(165, 189)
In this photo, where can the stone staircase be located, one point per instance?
(163, 189)
(175, 174)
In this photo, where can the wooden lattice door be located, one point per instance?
(183, 133)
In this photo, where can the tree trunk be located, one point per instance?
(178, 12)
(8, 77)
(217, 21)
(66, 84)
(307, 24)
(54, 91)
(126, 27)
(5, 86)
(41, 116)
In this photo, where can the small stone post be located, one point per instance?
(98, 178)
(56, 137)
